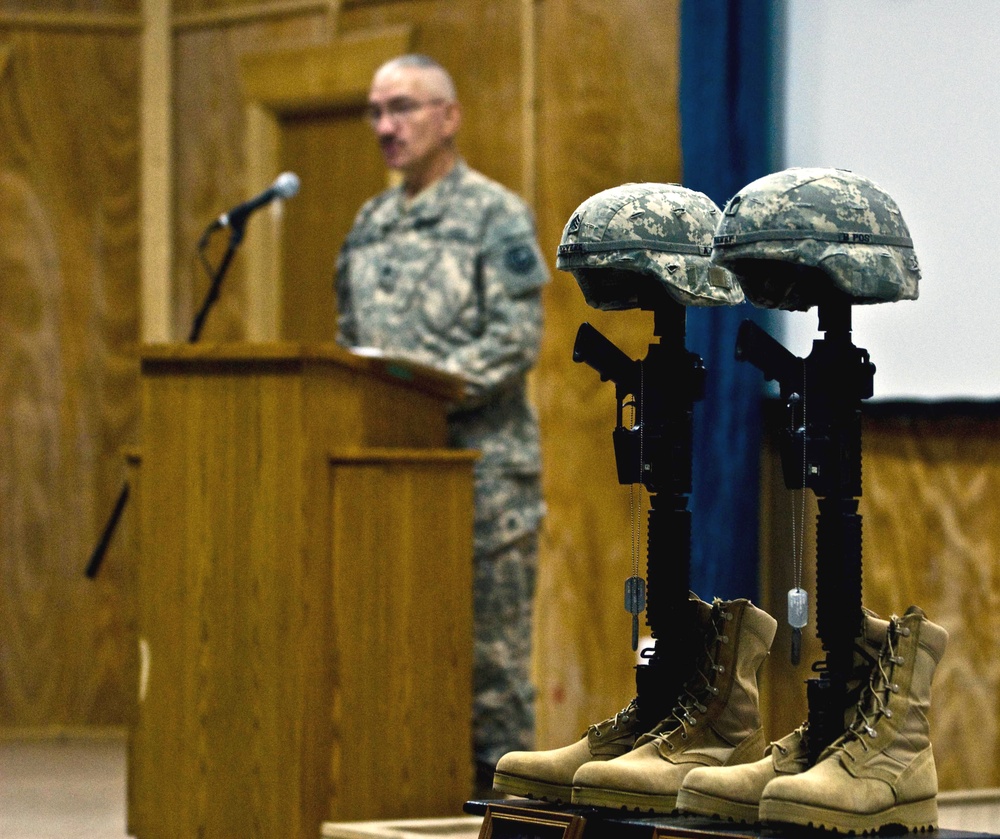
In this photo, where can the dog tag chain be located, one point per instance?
(798, 598)
(635, 586)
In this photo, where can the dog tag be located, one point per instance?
(798, 617)
(635, 602)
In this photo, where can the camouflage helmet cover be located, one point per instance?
(787, 233)
(633, 237)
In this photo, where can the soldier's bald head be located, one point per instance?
(433, 78)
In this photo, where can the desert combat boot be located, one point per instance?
(881, 771)
(548, 775)
(716, 720)
(733, 792)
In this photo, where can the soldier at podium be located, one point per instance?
(445, 270)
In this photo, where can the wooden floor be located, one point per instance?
(63, 788)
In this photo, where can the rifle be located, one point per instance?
(655, 450)
(821, 449)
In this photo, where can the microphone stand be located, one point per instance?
(236, 227)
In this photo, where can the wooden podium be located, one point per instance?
(305, 591)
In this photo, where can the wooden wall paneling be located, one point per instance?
(190, 15)
(210, 163)
(263, 253)
(68, 237)
(156, 209)
(108, 20)
(314, 79)
(305, 114)
(529, 100)
(607, 114)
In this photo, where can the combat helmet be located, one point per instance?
(801, 236)
(626, 244)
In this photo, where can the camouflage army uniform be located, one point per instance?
(452, 280)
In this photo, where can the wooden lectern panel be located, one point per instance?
(401, 634)
(273, 580)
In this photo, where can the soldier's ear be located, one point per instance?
(452, 118)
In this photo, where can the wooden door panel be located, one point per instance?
(338, 161)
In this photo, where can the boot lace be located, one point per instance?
(700, 688)
(783, 750)
(874, 702)
(617, 721)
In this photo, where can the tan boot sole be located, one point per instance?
(702, 804)
(532, 788)
(617, 799)
(918, 815)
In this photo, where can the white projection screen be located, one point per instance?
(907, 93)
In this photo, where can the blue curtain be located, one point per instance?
(727, 125)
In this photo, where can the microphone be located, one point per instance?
(285, 186)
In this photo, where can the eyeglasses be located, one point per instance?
(397, 110)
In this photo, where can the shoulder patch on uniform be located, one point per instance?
(519, 259)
